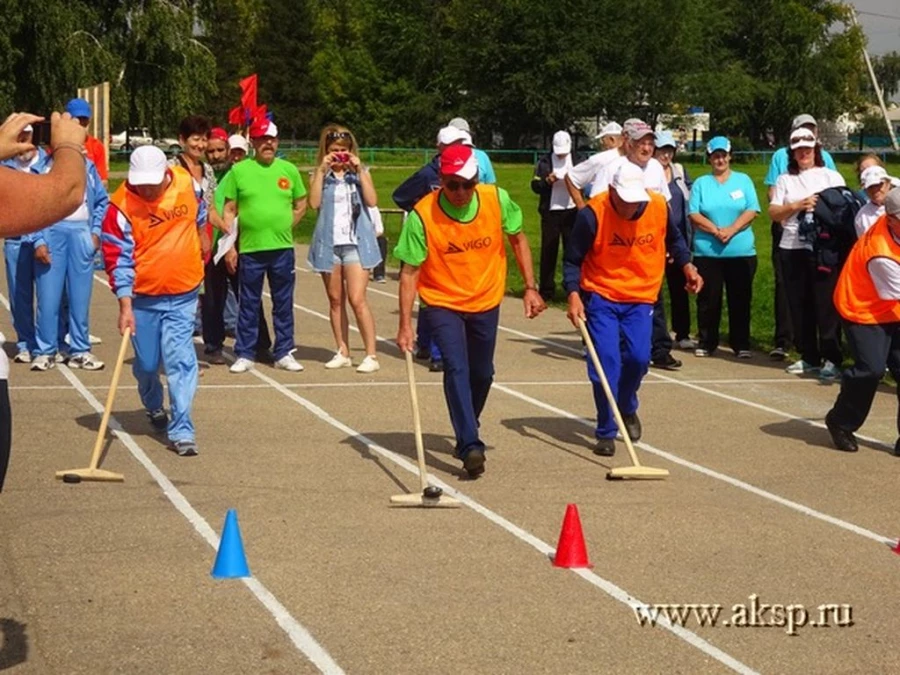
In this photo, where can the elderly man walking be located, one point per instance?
(452, 244)
(151, 248)
(270, 198)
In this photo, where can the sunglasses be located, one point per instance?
(456, 185)
(332, 135)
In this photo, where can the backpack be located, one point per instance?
(833, 232)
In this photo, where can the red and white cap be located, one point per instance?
(263, 128)
(459, 160)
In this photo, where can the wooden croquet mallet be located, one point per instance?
(637, 471)
(92, 472)
(430, 495)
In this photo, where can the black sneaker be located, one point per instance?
(436, 366)
(633, 427)
(185, 448)
(474, 462)
(606, 447)
(843, 440)
(896, 452)
(778, 354)
(423, 354)
(667, 362)
(159, 419)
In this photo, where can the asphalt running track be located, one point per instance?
(102, 578)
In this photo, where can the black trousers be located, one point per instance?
(734, 276)
(212, 308)
(784, 334)
(816, 323)
(378, 272)
(554, 224)
(5, 430)
(874, 347)
(660, 339)
(680, 301)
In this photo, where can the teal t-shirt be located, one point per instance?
(722, 203)
(265, 198)
(413, 250)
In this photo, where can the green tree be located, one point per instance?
(887, 72)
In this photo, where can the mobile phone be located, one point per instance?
(342, 157)
(40, 134)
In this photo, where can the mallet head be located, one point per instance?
(432, 492)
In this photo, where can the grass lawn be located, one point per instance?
(516, 179)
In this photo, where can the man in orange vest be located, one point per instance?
(455, 259)
(151, 249)
(866, 297)
(612, 271)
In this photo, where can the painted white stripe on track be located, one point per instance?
(301, 637)
(542, 547)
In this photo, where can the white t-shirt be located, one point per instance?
(790, 188)
(560, 199)
(343, 215)
(866, 217)
(587, 171)
(654, 177)
(377, 220)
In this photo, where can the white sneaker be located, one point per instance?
(799, 368)
(94, 340)
(43, 362)
(61, 357)
(687, 343)
(701, 352)
(288, 362)
(369, 365)
(23, 356)
(242, 365)
(86, 361)
(829, 371)
(339, 361)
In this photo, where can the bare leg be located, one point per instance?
(337, 308)
(357, 281)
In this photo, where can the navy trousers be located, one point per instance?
(278, 266)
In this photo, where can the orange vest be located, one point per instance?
(855, 297)
(628, 258)
(465, 268)
(166, 241)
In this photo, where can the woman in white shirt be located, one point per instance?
(814, 319)
(876, 182)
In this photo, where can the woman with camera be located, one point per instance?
(344, 246)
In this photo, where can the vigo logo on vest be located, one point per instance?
(176, 212)
(470, 245)
(643, 240)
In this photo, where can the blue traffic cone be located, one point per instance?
(231, 563)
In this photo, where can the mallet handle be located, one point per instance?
(417, 423)
(609, 395)
(101, 433)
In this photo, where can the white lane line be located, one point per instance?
(301, 637)
(675, 459)
(542, 547)
(699, 468)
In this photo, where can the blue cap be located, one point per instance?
(718, 143)
(665, 138)
(78, 107)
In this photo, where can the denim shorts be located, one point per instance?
(346, 254)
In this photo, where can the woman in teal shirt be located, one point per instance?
(722, 206)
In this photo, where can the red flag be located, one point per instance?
(236, 117)
(259, 115)
(248, 95)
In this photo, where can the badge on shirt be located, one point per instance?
(737, 194)
(284, 183)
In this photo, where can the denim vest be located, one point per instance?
(321, 250)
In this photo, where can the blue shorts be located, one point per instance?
(346, 254)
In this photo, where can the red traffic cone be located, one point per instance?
(896, 548)
(571, 551)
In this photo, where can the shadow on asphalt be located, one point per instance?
(557, 433)
(404, 444)
(801, 431)
(134, 422)
(558, 353)
(14, 650)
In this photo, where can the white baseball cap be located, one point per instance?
(147, 166)
(800, 120)
(628, 182)
(802, 138)
(892, 203)
(562, 143)
(450, 135)
(460, 124)
(611, 129)
(238, 142)
(873, 175)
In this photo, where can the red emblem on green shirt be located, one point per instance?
(284, 183)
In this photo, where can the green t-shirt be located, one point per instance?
(411, 247)
(265, 198)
